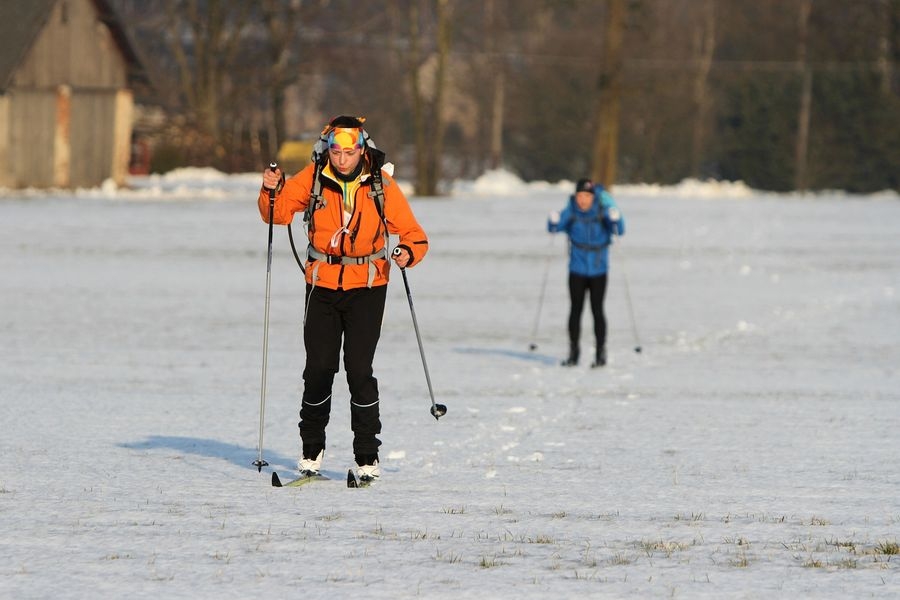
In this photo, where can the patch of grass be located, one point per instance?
(541, 538)
(844, 563)
(764, 518)
(818, 521)
(454, 510)
(489, 562)
(741, 561)
(423, 535)
(737, 541)
(695, 517)
(666, 547)
(451, 558)
(813, 563)
(847, 544)
(506, 536)
(889, 548)
(588, 557)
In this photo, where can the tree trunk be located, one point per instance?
(803, 116)
(418, 102)
(428, 116)
(440, 94)
(705, 45)
(885, 50)
(498, 92)
(609, 91)
(497, 119)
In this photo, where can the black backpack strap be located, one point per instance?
(377, 192)
(316, 200)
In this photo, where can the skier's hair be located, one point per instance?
(345, 121)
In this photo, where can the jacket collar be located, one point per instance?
(328, 173)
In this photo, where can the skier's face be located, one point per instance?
(584, 200)
(345, 159)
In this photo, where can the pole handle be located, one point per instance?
(273, 166)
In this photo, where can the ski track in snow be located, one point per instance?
(749, 451)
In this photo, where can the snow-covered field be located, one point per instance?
(751, 450)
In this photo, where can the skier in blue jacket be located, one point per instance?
(590, 220)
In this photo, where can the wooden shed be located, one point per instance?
(67, 70)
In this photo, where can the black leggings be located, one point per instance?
(578, 287)
(354, 317)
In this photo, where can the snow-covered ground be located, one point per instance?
(750, 450)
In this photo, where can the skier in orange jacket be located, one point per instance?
(352, 205)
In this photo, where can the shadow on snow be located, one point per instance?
(529, 356)
(241, 456)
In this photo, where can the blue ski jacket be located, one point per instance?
(590, 233)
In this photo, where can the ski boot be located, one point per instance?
(573, 357)
(600, 360)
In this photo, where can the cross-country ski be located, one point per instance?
(303, 479)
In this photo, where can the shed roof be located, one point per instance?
(21, 24)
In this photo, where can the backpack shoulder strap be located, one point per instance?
(377, 192)
(316, 200)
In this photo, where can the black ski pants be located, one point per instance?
(354, 317)
(579, 285)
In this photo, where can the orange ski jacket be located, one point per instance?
(362, 237)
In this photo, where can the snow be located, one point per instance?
(750, 450)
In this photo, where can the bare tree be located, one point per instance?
(204, 38)
(280, 18)
(428, 99)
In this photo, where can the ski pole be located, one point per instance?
(437, 410)
(634, 330)
(537, 318)
(259, 463)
